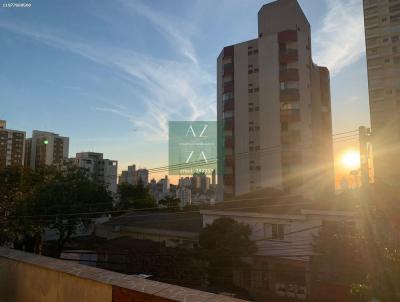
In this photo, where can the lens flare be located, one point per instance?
(351, 160)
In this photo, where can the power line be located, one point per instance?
(270, 150)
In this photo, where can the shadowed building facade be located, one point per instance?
(382, 35)
(274, 103)
(45, 149)
(11, 146)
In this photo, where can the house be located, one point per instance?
(174, 229)
(284, 228)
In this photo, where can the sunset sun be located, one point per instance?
(351, 160)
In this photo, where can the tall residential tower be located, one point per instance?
(11, 146)
(275, 106)
(382, 35)
(45, 149)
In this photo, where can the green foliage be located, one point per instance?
(223, 243)
(17, 184)
(340, 252)
(134, 197)
(170, 202)
(61, 200)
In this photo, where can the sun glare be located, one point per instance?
(351, 160)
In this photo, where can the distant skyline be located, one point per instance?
(111, 75)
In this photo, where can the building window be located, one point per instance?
(278, 231)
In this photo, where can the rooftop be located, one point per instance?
(171, 221)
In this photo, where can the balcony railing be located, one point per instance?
(228, 51)
(228, 180)
(228, 106)
(291, 137)
(291, 158)
(287, 36)
(289, 75)
(289, 95)
(228, 142)
(228, 87)
(228, 124)
(288, 56)
(290, 115)
(229, 162)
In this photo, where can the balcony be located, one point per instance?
(229, 142)
(291, 158)
(228, 124)
(228, 51)
(288, 56)
(287, 36)
(290, 95)
(228, 106)
(289, 75)
(228, 87)
(229, 162)
(291, 138)
(228, 69)
(290, 116)
(229, 180)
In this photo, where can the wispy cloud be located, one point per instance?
(168, 89)
(178, 34)
(340, 41)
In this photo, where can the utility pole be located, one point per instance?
(364, 139)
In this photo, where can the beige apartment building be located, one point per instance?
(45, 149)
(11, 146)
(275, 106)
(382, 35)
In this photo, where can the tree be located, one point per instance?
(223, 243)
(340, 255)
(134, 196)
(17, 184)
(170, 202)
(68, 200)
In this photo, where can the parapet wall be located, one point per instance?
(26, 277)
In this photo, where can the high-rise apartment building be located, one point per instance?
(100, 169)
(184, 195)
(11, 146)
(133, 176)
(128, 176)
(274, 103)
(45, 149)
(143, 176)
(382, 36)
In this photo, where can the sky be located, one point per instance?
(111, 74)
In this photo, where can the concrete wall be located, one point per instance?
(28, 277)
(24, 282)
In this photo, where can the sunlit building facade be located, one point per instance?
(11, 146)
(274, 103)
(46, 149)
(99, 169)
(382, 35)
